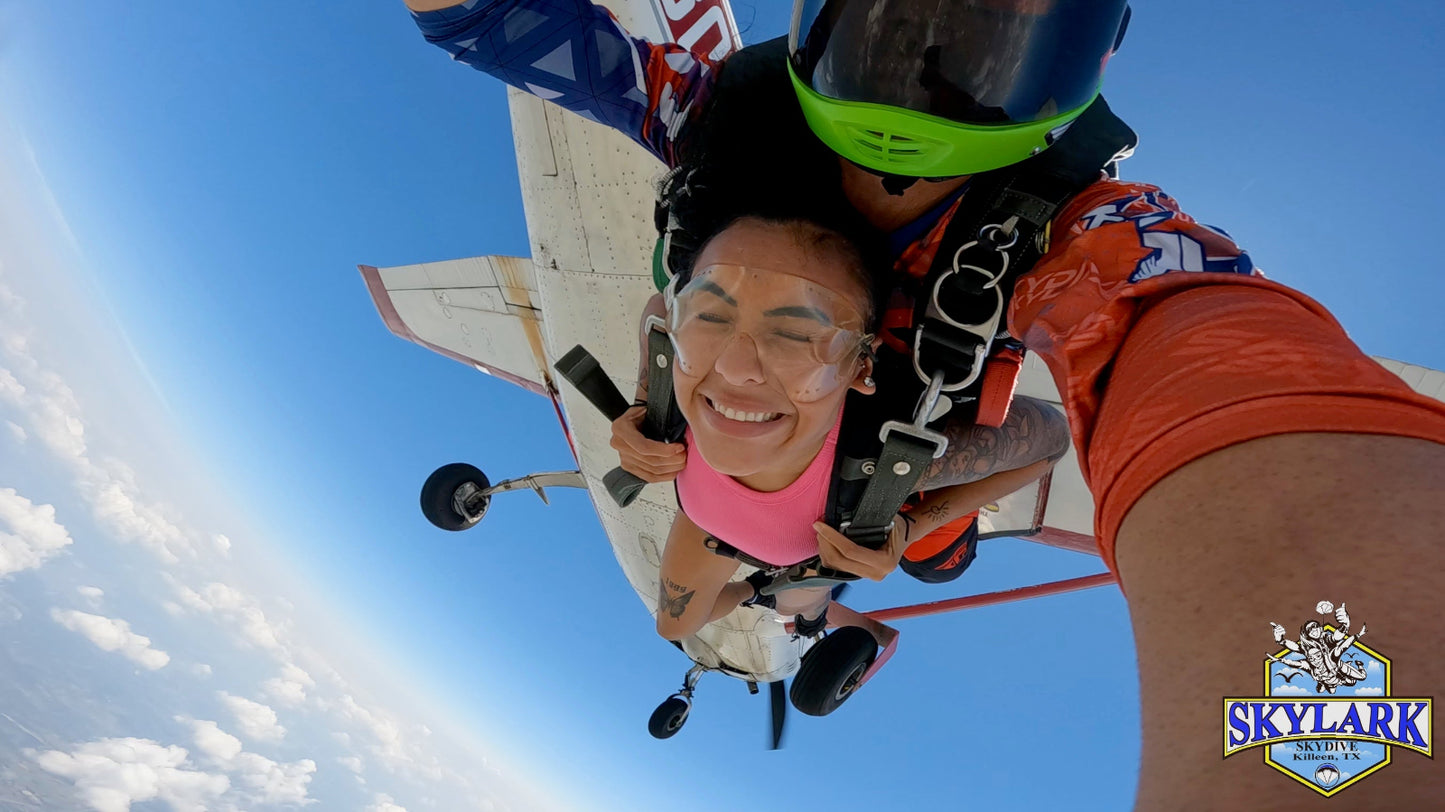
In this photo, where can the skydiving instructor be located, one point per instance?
(1220, 418)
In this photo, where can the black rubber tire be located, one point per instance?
(441, 487)
(831, 670)
(669, 717)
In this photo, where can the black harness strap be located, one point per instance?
(1004, 238)
(663, 421)
(900, 467)
(960, 313)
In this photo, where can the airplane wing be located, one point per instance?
(1426, 381)
(481, 311)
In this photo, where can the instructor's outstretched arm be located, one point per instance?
(1254, 531)
(1247, 461)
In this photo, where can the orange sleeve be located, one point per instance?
(1167, 345)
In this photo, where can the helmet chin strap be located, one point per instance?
(896, 185)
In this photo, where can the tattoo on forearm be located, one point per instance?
(938, 511)
(673, 598)
(1034, 431)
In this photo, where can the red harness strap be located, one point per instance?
(1000, 372)
(1000, 377)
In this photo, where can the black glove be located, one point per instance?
(757, 581)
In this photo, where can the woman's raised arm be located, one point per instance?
(693, 586)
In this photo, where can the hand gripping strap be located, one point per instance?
(664, 421)
(583, 371)
(899, 469)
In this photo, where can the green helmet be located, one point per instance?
(940, 88)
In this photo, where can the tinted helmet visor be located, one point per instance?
(980, 62)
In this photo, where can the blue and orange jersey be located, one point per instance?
(576, 55)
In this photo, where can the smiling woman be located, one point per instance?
(773, 330)
(766, 356)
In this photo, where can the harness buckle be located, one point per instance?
(866, 535)
(918, 429)
(996, 239)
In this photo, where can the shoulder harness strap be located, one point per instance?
(986, 247)
(960, 314)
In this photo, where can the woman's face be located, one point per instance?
(757, 412)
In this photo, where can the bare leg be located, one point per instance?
(1262, 531)
(808, 602)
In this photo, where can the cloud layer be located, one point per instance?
(111, 634)
(255, 720)
(112, 774)
(29, 533)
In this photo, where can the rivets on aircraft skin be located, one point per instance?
(901, 468)
(661, 361)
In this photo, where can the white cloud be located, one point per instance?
(53, 413)
(222, 543)
(257, 629)
(201, 670)
(172, 608)
(224, 596)
(352, 763)
(91, 593)
(1291, 690)
(48, 404)
(259, 778)
(288, 693)
(111, 634)
(29, 533)
(11, 390)
(385, 803)
(236, 606)
(115, 499)
(272, 782)
(291, 686)
(111, 774)
(192, 598)
(385, 731)
(255, 778)
(256, 721)
(213, 741)
(1373, 667)
(16, 433)
(1373, 690)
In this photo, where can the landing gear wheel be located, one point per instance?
(832, 669)
(452, 497)
(669, 717)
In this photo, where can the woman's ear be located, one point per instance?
(863, 381)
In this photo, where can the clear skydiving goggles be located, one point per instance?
(804, 336)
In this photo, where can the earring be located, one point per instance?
(868, 380)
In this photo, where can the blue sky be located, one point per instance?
(188, 194)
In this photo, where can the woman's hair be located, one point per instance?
(706, 199)
(752, 155)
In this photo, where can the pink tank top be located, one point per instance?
(776, 527)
